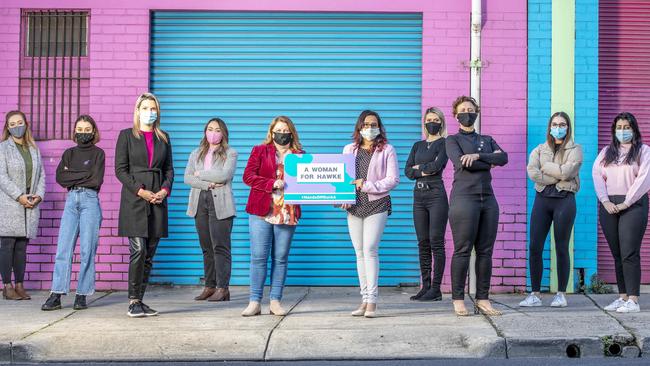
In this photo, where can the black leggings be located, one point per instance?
(624, 233)
(474, 220)
(430, 209)
(13, 255)
(561, 212)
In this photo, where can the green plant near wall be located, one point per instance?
(597, 286)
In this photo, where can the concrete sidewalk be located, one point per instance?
(318, 327)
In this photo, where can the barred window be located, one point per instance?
(54, 70)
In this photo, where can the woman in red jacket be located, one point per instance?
(271, 222)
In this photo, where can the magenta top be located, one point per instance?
(148, 139)
(620, 179)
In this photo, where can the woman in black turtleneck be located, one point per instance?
(81, 172)
(473, 209)
(425, 165)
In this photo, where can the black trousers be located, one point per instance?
(474, 220)
(214, 237)
(561, 212)
(624, 233)
(13, 255)
(430, 210)
(141, 261)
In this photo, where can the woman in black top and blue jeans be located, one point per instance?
(473, 209)
(425, 165)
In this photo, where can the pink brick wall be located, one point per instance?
(119, 72)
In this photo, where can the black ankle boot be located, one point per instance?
(52, 303)
(80, 302)
(433, 294)
(422, 291)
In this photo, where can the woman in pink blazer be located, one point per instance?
(377, 173)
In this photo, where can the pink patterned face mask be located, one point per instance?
(213, 137)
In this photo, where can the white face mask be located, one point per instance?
(148, 117)
(370, 133)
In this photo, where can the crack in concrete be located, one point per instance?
(60, 320)
(630, 332)
(268, 340)
(494, 326)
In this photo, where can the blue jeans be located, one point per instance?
(82, 217)
(274, 239)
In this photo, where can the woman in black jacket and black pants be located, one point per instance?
(473, 209)
(143, 164)
(425, 165)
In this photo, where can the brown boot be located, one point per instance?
(222, 294)
(20, 290)
(9, 293)
(207, 292)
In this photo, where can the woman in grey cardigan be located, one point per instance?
(22, 187)
(209, 172)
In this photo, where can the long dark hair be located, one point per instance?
(89, 119)
(611, 155)
(205, 145)
(550, 140)
(380, 141)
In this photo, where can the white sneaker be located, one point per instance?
(530, 301)
(559, 301)
(629, 307)
(615, 305)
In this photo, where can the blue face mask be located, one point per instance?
(558, 132)
(624, 136)
(148, 117)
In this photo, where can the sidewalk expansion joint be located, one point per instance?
(634, 340)
(268, 339)
(61, 319)
(496, 329)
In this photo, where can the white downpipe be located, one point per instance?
(475, 92)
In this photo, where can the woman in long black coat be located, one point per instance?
(143, 163)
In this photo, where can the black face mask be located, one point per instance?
(282, 138)
(84, 138)
(467, 119)
(433, 128)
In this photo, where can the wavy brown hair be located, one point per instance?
(462, 99)
(28, 133)
(379, 142)
(296, 146)
(220, 151)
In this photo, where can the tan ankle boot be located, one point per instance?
(361, 310)
(276, 308)
(9, 293)
(254, 308)
(20, 290)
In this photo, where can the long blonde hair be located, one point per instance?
(223, 146)
(295, 142)
(136, 117)
(28, 133)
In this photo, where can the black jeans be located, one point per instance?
(141, 261)
(214, 236)
(13, 255)
(624, 233)
(474, 220)
(561, 212)
(430, 210)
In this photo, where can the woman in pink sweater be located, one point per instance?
(622, 182)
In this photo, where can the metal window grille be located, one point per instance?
(54, 70)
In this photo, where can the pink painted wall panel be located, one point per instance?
(119, 44)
